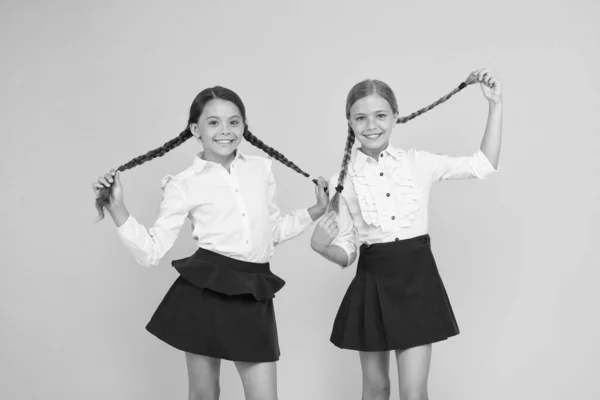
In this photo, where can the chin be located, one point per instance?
(226, 152)
(374, 145)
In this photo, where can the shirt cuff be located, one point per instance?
(349, 252)
(129, 230)
(305, 220)
(482, 166)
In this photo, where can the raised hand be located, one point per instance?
(490, 86)
(321, 193)
(110, 179)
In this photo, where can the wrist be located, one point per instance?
(317, 211)
(318, 248)
(115, 206)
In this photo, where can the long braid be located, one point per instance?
(434, 104)
(256, 142)
(335, 200)
(105, 194)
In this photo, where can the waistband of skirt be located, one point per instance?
(207, 256)
(394, 248)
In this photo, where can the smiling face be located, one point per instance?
(220, 128)
(372, 120)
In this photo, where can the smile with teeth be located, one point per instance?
(228, 141)
(373, 136)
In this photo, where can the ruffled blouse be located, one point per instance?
(387, 199)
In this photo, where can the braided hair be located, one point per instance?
(366, 88)
(217, 92)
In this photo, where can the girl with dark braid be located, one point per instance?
(221, 305)
(397, 300)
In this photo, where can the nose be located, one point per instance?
(371, 123)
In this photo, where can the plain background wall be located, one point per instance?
(86, 86)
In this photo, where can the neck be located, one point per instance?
(225, 161)
(374, 153)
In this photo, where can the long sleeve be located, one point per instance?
(148, 246)
(287, 226)
(346, 237)
(444, 167)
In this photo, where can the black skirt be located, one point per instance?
(220, 307)
(396, 300)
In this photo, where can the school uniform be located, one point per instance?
(397, 299)
(221, 305)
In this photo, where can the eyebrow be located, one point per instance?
(376, 112)
(214, 116)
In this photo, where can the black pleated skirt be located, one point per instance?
(220, 307)
(396, 300)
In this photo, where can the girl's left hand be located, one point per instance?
(321, 194)
(490, 86)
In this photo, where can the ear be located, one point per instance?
(396, 116)
(195, 131)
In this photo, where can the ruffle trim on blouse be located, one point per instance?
(375, 207)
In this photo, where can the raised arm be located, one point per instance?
(492, 138)
(148, 246)
(485, 161)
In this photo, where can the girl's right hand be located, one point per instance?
(113, 179)
(324, 233)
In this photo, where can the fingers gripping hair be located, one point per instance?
(105, 194)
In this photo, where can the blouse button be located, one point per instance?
(397, 240)
(381, 174)
(243, 214)
(393, 217)
(387, 194)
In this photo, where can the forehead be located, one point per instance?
(370, 104)
(220, 108)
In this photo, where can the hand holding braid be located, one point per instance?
(104, 192)
(369, 87)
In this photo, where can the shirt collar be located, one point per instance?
(360, 158)
(199, 163)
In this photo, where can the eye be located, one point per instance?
(235, 122)
(213, 122)
(381, 116)
(359, 118)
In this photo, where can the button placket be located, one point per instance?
(241, 207)
(383, 192)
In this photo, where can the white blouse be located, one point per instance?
(387, 199)
(233, 214)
